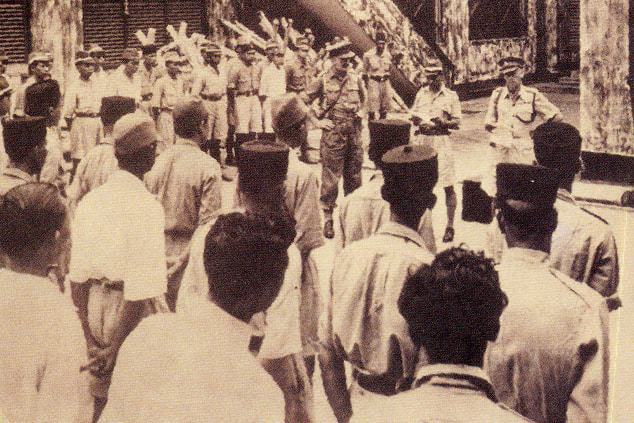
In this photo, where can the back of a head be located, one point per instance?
(114, 107)
(245, 258)
(188, 115)
(288, 113)
(557, 145)
(30, 216)
(452, 303)
(21, 135)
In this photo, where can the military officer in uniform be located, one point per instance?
(376, 73)
(168, 91)
(126, 80)
(299, 75)
(361, 324)
(512, 113)
(550, 361)
(436, 110)
(342, 98)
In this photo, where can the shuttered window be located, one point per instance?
(14, 27)
(106, 23)
(494, 19)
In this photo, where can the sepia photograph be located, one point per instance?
(316, 211)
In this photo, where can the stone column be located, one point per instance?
(56, 27)
(605, 110)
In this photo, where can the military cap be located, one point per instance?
(271, 45)
(5, 88)
(245, 43)
(411, 163)
(22, 134)
(130, 54)
(132, 132)
(147, 49)
(287, 110)
(386, 134)
(302, 43)
(94, 49)
(533, 185)
(510, 64)
(40, 97)
(433, 69)
(557, 145)
(260, 162)
(341, 49)
(112, 108)
(82, 56)
(39, 56)
(3, 56)
(380, 36)
(210, 47)
(172, 56)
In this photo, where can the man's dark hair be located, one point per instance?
(245, 259)
(30, 215)
(529, 220)
(22, 135)
(453, 306)
(188, 119)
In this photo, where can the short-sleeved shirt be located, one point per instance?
(298, 75)
(550, 359)
(375, 64)
(210, 81)
(242, 77)
(273, 81)
(11, 177)
(362, 320)
(82, 97)
(517, 116)
(167, 92)
(448, 393)
(118, 234)
(364, 211)
(443, 104)
(187, 182)
(191, 368)
(122, 85)
(41, 350)
(282, 333)
(93, 170)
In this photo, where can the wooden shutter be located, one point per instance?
(104, 25)
(145, 14)
(191, 11)
(14, 30)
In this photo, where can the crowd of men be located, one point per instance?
(130, 294)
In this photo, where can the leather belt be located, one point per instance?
(212, 97)
(114, 285)
(380, 78)
(86, 115)
(166, 109)
(247, 93)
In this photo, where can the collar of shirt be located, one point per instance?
(402, 231)
(523, 93)
(456, 376)
(525, 255)
(125, 178)
(185, 141)
(18, 174)
(377, 175)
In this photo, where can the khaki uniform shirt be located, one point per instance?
(82, 97)
(167, 92)
(443, 104)
(93, 170)
(209, 81)
(329, 89)
(550, 359)
(375, 64)
(242, 77)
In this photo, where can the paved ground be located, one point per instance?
(471, 155)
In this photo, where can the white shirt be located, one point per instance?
(41, 349)
(273, 81)
(121, 84)
(118, 234)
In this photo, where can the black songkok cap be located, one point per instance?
(40, 97)
(557, 145)
(386, 134)
(260, 162)
(112, 108)
(535, 186)
(411, 164)
(22, 134)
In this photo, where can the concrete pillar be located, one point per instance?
(605, 112)
(56, 27)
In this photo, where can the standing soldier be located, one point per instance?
(298, 78)
(243, 77)
(100, 74)
(81, 109)
(376, 73)
(39, 64)
(168, 90)
(272, 86)
(126, 81)
(210, 84)
(342, 97)
(148, 73)
(511, 117)
(436, 110)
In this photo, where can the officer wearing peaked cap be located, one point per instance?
(364, 211)
(512, 113)
(376, 67)
(342, 96)
(552, 322)
(168, 91)
(100, 74)
(373, 271)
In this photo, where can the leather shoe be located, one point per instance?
(329, 230)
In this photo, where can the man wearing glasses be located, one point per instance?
(512, 116)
